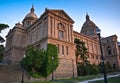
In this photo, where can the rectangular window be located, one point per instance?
(67, 50)
(88, 56)
(92, 56)
(62, 49)
(58, 49)
(96, 57)
(109, 52)
(51, 25)
(61, 35)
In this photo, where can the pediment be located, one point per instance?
(62, 14)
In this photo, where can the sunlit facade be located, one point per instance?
(56, 27)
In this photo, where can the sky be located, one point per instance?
(104, 13)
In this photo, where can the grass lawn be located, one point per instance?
(111, 80)
(45, 82)
(71, 80)
(82, 78)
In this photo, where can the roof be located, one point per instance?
(60, 13)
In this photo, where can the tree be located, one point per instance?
(39, 62)
(34, 61)
(81, 51)
(1, 52)
(83, 67)
(2, 27)
(51, 65)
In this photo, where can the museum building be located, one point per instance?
(56, 27)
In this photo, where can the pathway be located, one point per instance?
(88, 81)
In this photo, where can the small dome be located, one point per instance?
(31, 15)
(18, 25)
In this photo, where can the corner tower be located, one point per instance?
(15, 44)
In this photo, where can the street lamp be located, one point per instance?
(52, 68)
(22, 81)
(102, 58)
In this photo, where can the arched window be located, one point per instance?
(60, 25)
(61, 30)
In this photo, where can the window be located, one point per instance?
(38, 46)
(114, 66)
(61, 30)
(28, 24)
(58, 49)
(107, 40)
(88, 56)
(51, 26)
(60, 25)
(96, 57)
(67, 50)
(61, 35)
(92, 56)
(109, 50)
(62, 49)
(114, 51)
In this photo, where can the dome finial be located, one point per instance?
(87, 16)
(32, 9)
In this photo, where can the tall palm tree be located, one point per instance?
(2, 27)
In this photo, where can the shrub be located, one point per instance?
(87, 69)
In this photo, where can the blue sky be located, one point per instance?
(104, 13)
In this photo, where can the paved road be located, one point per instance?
(88, 81)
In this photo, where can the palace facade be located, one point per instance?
(56, 27)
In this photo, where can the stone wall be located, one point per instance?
(10, 74)
(13, 74)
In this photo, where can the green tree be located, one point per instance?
(81, 51)
(34, 61)
(2, 27)
(84, 67)
(39, 62)
(1, 52)
(51, 64)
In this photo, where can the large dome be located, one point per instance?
(89, 28)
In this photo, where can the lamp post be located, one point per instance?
(22, 81)
(52, 68)
(102, 58)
